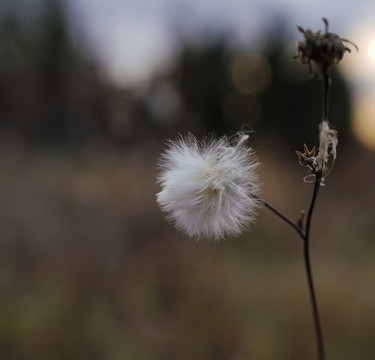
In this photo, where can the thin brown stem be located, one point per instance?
(305, 233)
(282, 216)
(318, 178)
(314, 304)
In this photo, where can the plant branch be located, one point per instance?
(282, 216)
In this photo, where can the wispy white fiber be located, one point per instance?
(208, 186)
(327, 146)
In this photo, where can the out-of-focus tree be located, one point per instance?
(223, 89)
(50, 92)
(189, 96)
(291, 105)
(205, 83)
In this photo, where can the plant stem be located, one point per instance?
(282, 216)
(305, 233)
(306, 248)
(306, 238)
(318, 178)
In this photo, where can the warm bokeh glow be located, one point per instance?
(251, 74)
(360, 70)
(364, 120)
(359, 66)
(371, 50)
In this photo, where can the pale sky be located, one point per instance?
(132, 37)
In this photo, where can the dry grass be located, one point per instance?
(89, 269)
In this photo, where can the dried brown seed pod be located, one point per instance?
(325, 49)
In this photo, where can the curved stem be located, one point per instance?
(305, 233)
(318, 178)
(282, 216)
(318, 327)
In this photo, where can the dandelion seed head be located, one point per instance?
(208, 186)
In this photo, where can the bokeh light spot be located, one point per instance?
(371, 50)
(251, 74)
(241, 109)
(364, 121)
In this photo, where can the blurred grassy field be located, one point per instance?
(89, 268)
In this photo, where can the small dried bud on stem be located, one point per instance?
(326, 156)
(325, 49)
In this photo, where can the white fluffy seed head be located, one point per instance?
(208, 186)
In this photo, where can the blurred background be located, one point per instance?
(89, 268)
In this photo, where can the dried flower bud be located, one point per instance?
(324, 160)
(307, 158)
(325, 49)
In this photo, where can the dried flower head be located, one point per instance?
(324, 160)
(208, 186)
(325, 49)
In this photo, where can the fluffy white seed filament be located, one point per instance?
(208, 186)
